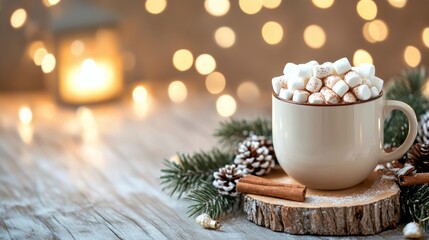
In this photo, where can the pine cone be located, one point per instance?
(423, 131)
(418, 156)
(226, 179)
(255, 155)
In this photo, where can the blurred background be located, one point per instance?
(82, 52)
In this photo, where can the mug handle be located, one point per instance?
(412, 130)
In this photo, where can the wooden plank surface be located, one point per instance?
(65, 182)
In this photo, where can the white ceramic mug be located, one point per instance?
(335, 146)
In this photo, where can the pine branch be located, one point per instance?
(208, 200)
(232, 132)
(180, 178)
(415, 204)
(407, 87)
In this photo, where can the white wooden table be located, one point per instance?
(72, 181)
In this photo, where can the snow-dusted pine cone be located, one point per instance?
(226, 179)
(418, 156)
(255, 155)
(423, 131)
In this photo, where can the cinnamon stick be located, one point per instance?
(266, 182)
(265, 187)
(416, 179)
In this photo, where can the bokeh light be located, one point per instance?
(398, 3)
(177, 91)
(155, 6)
(248, 92)
(224, 37)
(77, 48)
(367, 9)
(271, 4)
(33, 48)
(272, 32)
(183, 59)
(50, 3)
(361, 56)
(314, 36)
(39, 55)
(425, 36)
(18, 18)
(217, 8)
(250, 6)
(366, 34)
(226, 105)
(412, 56)
(323, 4)
(377, 30)
(215, 82)
(205, 64)
(140, 94)
(25, 115)
(48, 63)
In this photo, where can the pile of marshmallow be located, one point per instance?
(328, 83)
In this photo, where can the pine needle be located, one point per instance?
(180, 178)
(415, 204)
(208, 200)
(232, 132)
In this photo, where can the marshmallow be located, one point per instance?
(278, 83)
(352, 79)
(378, 83)
(349, 97)
(340, 88)
(366, 70)
(316, 98)
(285, 94)
(374, 92)
(313, 85)
(362, 92)
(342, 66)
(323, 89)
(331, 97)
(312, 63)
(367, 82)
(305, 71)
(322, 71)
(331, 80)
(300, 96)
(412, 231)
(290, 69)
(295, 83)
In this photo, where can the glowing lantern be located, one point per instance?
(89, 68)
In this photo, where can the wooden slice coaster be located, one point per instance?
(365, 209)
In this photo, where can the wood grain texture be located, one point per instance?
(365, 209)
(63, 183)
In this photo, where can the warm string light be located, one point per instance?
(272, 32)
(375, 31)
(412, 56)
(155, 6)
(361, 56)
(217, 8)
(141, 101)
(50, 3)
(250, 6)
(248, 92)
(183, 59)
(397, 3)
(25, 115)
(39, 55)
(271, 4)
(205, 64)
(18, 18)
(25, 128)
(314, 36)
(226, 105)
(367, 9)
(224, 37)
(323, 4)
(425, 36)
(177, 91)
(48, 63)
(215, 82)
